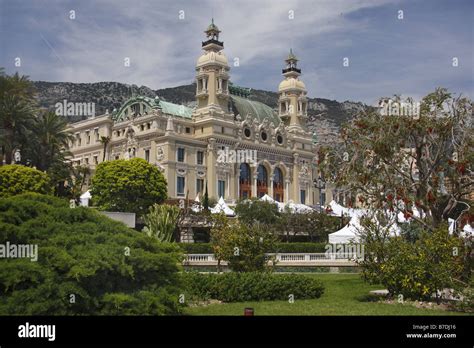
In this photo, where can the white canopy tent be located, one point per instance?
(267, 198)
(222, 206)
(351, 232)
(347, 234)
(338, 210)
(294, 207)
(85, 197)
(197, 207)
(467, 230)
(298, 207)
(416, 213)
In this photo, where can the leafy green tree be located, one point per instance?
(162, 221)
(219, 237)
(406, 162)
(253, 211)
(16, 179)
(241, 245)
(128, 186)
(313, 224)
(87, 264)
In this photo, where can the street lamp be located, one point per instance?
(320, 184)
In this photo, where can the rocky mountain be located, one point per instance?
(324, 116)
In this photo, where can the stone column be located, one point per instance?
(211, 176)
(254, 184)
(237, 179)
(270, 189)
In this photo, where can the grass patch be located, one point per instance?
(344, 294)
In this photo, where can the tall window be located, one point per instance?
(88, 137)
(244, 181)
(221, 188)
(278, 185)
(199, 185)
(200, 157)
(180, 154)
(303, 196)
(262, 181)
(180, 182)
(147, 155)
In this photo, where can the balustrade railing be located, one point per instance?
(284, 257)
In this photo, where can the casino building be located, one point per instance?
(185, 143)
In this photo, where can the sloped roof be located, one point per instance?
(175, 109)
(245, 106)
(153, 103)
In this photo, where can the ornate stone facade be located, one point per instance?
(185, 143)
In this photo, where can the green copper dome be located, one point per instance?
(152, 103)
(243, 107)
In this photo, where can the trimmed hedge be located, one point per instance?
(301, 247)
(206, 248)
(251, 286)
(196, 248)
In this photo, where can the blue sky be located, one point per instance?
(386, 55)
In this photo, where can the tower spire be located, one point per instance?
(212, 78)
(292, 94)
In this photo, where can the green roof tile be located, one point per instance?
(245, 106)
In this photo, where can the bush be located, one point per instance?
(128, 186)
(196, 248)
(17, 179)
(253, 211)
(251, 286)
(243, 246)
(85, 254)
(416, 270)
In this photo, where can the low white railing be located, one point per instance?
(282, 258)
(200, 257)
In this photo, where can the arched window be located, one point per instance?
(278, 185)
(245, 181)
(262, 181)
(244, 173)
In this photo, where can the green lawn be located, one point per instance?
(343, 295)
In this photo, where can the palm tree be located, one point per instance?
(16, 112)
(104, 141)
(50, 140)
